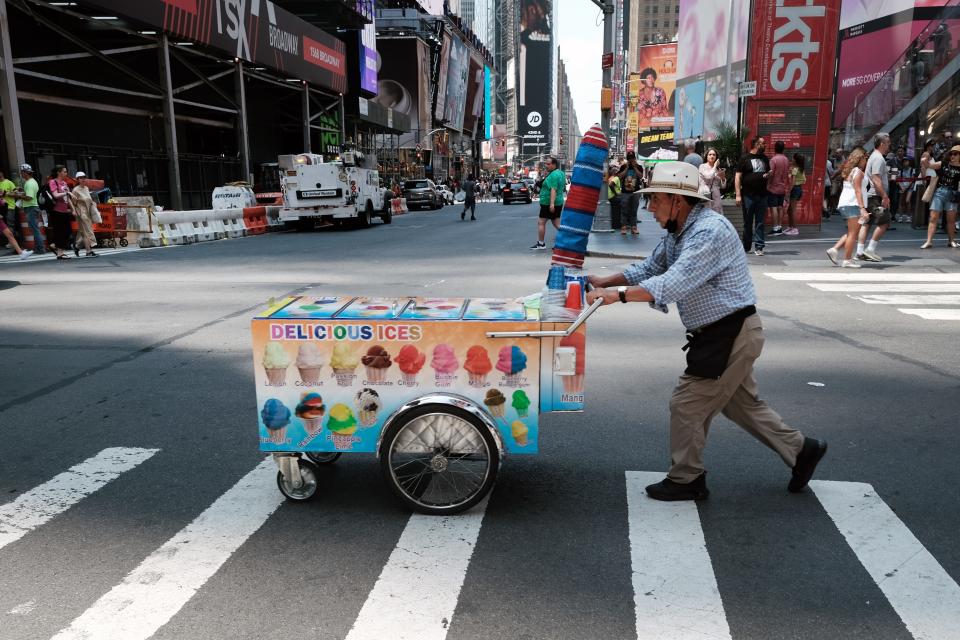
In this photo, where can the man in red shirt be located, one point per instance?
(777, 184)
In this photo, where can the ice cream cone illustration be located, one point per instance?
(309, 363)
(511, 361)
(310, 411)
(574, 384)
(275, 418)
(444, 364)
(377, 362)
(478, 365)
(342, 425)
(275, 363)
(519, 431)
(410, 360)
(496, 402)
(368, 406)
(521, 403)
(344, 363)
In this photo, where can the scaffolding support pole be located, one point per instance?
(8, 97)
(243, 133)
(170, 122)
(306, 118)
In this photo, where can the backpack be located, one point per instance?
(45, 197)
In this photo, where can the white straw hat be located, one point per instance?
(681, 178)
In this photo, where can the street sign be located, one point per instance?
(748, 89)
(607, 61)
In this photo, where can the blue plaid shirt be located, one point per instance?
(702, 269)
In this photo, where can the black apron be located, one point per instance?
(708, 348)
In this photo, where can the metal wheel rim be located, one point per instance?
(309, 484)
(416, 470)
(322, 457)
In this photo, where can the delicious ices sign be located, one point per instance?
(253, 30)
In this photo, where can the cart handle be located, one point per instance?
(551, 334)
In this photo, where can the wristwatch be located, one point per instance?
(622, 292)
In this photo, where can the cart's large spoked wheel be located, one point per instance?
(323, 457)
(439, 460)
(308, 487)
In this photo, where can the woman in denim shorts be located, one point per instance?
(945, 197)
(852, 205)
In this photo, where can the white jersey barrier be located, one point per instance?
(187, 227)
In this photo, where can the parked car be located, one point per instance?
(517, 192)
(422, 194)
(447, 194)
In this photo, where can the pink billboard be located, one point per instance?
(703, 34)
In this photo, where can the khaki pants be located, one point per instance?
(85, 230)
(696, 401)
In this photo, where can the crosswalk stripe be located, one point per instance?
(40, 504)
(908, 299)
(917, 587)
(416, 594)
(674, 588)
(845, 275)
(933, 314)
(878, 287)
(150, 595)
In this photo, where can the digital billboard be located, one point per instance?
(473, 111)
(403, 85)
(703, 32)
(536, 72)
(487, 102)
(458, 68)
(688, 113)
(440, 81)
(368, 59)
(651, 90)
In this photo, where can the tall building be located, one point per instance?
(654, 21)
(567, 135)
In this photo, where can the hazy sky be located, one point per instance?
(580, 36)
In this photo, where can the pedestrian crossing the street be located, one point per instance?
(931, 296)
(674, 583)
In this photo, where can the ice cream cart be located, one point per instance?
(440, 389)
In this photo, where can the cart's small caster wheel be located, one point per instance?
(124, 242)
(310, 475)
(323, 457)
(439, 460)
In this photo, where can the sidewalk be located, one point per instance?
(606, 243)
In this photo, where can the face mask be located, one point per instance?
(672, 224)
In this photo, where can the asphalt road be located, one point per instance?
(147, 353)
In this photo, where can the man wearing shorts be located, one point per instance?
(551, 200)
(878, 200)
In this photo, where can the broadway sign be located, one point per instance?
(252, 30)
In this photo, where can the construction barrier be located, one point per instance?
(398, 206)
(162, 228)
(255, 219)
(29, 242)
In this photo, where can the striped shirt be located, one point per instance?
(702, 270)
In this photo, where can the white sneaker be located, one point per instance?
(871, 256)
(834, 256)
(26, 253)
(792, 231)
(850, 264)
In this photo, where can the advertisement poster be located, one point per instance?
(330, 384)
(688, 116)
(703, 35)
(651, 91)
(440, 87)
(368, 59)
(255, 31)
(499, 142)
(402, 84)
(872, 42)
(536, 73)
(487, 102)
(457, 71)
(720, 105)
(473, 112)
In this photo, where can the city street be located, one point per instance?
(134, 502)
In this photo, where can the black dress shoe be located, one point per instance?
(811, 453)
(670, 491)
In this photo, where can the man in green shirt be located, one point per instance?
(551, 200)
(8, 204)
(28, 201)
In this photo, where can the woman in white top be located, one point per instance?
(713, 178)
(852, 206)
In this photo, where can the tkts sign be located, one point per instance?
(253, 30)
(794, 47)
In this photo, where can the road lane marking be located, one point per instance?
(859, 276)
(416, 594)
(933, 314)
(150, 595)
(908, 299)
(674, 588)
(878, 287)
(917, 587)
(908, 262)
(50, 499)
